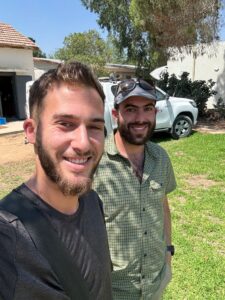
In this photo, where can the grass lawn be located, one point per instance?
(198, 216)
(198, 213)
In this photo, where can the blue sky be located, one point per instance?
(49, 21)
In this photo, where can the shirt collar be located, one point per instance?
(110, 145)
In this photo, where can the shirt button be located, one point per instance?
(145, 254)
(145, 232)
(143, 276)
(143, 209)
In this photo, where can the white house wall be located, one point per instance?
(40, 68)
(210, 65)
(15, 60)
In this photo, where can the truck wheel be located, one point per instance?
(182, 127)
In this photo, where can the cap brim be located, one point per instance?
(138, 92)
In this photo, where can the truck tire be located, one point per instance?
(182, 127)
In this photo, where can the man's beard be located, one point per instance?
(49, 166)
(129, 137)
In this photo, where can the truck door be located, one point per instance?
(163, 116)
(110, 123)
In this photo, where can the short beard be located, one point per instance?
(129, 138)
(67, 188)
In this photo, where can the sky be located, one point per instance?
(50, 21)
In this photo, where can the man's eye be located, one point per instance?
(149, 108)
(97, 127)
(66, 124)
(130, 109)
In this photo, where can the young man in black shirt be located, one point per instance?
(66, 127)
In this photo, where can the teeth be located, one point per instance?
(139, 127)
(77, 161)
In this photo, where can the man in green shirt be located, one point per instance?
(133, 180)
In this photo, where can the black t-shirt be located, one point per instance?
(84, 235)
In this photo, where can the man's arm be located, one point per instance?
(167, 227)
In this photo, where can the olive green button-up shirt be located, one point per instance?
(134, 218)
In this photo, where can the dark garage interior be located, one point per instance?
(7, 97)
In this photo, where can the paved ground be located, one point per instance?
(11, 127)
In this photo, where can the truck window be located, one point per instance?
(159, 95)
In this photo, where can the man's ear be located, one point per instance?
(30, 127)
(115, 114)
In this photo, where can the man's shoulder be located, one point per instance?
(12, 203)
(156, 150)
(8, 223)
(6, 216)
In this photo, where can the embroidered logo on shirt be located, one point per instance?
(155, 185)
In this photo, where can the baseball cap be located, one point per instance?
(130, 88)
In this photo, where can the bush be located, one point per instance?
(198, 90)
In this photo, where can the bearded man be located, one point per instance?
(133, 180)
(66, 127)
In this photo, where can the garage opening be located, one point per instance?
(7, 98)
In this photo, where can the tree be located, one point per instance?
(114, 16)
(113, 54)
(87, 47)
(37, 52)
(177, 22)
(146, 29)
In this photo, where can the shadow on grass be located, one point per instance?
(166, 137)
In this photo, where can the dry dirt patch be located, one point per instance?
(13, 148)
(213, 127)
(200, 181)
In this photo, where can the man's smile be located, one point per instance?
(78, 161)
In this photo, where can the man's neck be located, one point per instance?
(50, 193)
(134, 153)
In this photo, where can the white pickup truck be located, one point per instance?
(174, 115)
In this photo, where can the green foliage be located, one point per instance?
(115, 56)
(175, 22)
(114, 15)
(144, 28)
(38, 52)
(198, 90)
(87, 47)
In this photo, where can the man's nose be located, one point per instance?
(139, 117)
(81, 139)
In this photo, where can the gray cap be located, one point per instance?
(137, 91)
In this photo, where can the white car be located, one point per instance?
(174, 115)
